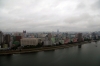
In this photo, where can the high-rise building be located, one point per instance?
(57, 31)
(24, 33)
(93, 35)
(1, 39)
(7, 39)
(79, 36)
(99, 34)
(11, 41)
(49, 36)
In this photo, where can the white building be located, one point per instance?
(47, 40)
(48, 43)
(11, 41)
(30, 41)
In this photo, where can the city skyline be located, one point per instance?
(49, 15)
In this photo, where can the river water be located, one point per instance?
(87, 55)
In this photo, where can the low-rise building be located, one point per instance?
(66, 41)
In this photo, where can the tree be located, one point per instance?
(17, 43)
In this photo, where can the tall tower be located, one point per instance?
(57, 31)
(24, 33)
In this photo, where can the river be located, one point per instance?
(87, 55)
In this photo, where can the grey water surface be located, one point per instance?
(87, 55)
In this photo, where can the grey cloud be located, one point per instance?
(49, 15)
(96, 5)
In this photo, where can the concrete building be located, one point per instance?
(79, 37)
(18, 38)
(29, 41)
(47, 40)
(48, 43)
(94, 36)
(75, 40)
(7, 40)
(61, 41)
(49, 36)
(11, 41)
(1, 39)
(24, 34)
(53, 40)
(57, 31)
(66, 41)
(57, 38)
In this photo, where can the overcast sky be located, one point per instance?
(50, 15)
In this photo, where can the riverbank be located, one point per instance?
(51, 48)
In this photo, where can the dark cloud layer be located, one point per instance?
(50, 15)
